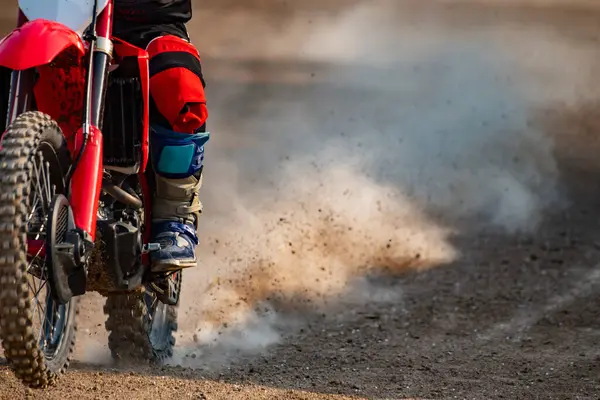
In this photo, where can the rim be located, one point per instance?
(159, 326)
(50, 319)
(158, 315)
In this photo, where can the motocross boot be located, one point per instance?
(177, 159)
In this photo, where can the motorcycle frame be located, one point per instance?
(42, 51)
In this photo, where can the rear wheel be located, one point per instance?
(38, 334)
(140, 326)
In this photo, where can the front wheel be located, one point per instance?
(38, 334)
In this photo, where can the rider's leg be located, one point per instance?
(177, 150)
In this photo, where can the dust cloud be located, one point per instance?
(348, 142)
(343, 146)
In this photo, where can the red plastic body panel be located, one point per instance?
(37, 43)
(60, 93)
(87, 182)
(123, 50)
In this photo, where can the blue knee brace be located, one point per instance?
(177, 155)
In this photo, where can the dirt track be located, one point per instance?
(513, 316)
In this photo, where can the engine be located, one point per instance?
(120, 217)
(119, 249)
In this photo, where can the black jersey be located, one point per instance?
(138, 21)
(153, 11)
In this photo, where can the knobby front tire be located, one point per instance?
(33, 163)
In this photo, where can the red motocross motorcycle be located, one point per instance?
(75, 198)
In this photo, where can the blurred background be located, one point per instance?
(400, 201)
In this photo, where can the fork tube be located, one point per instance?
(21, 19)
(99, 86)
(103, 48)
(21, 91)
(87, 177)
(21, 86)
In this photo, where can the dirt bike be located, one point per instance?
(75, 197)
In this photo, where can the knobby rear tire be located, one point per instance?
(31, 133)
(138, 331)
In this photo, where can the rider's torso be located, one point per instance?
(153, 11)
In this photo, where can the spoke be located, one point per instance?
(44, 180)
(40, 289)
(34, 207)
(35, 257)
(44, 321)
(51, 322)
(32, 287)
(45, 177)
(43, 273)
(42, 191)
(49, 181)
(44, 188)
(38, 185)
(41, 231)
(40, 313)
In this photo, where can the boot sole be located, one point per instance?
(172, 266)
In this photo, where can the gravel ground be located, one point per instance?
(515, 314)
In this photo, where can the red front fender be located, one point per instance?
(36, 43)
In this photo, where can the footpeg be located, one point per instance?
(150, 247)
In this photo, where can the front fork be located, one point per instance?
(20, 96)
(21, 93)
(85, 179)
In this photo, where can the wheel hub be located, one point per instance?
(67, 273)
